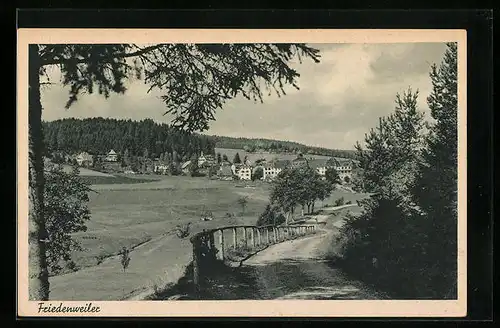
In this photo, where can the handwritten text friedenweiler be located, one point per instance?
(50, 308)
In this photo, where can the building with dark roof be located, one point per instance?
(273, 168)
(225, 173)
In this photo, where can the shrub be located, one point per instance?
(124, 258)
(339, 201)
(182, 231)
(271, 216)
(100, 258)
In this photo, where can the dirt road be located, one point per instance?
(300, 269)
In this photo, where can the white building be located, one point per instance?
(85, 159)
(273, 168)
(206, 160)
(244, 172)
(161, 168)
(343, 167)
(112, 156)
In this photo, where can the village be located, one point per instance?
(215, 167)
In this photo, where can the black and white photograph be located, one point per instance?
(164, 171)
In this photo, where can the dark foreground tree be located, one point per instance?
(196, 80)
(66, 212)
(258, 173)
(332, 176)
(271, 215)
(436, 190)
(237, 159)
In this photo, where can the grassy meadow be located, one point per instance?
(139, 215)
(126, 215)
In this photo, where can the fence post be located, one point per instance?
(267, 232)
(211, 243)
(253, 237)
(196, 264)
(221, 242)
(235, 242)
(259, 236)
(275, 239)
(245, 236)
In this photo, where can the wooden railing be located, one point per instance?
(218, 244)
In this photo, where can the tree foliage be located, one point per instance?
(195, 80)
(199, 78)
(237, 159)
(100, 135)
(252, 145)
(193, 166)
(298, 186)
(243, 202)
(436, 187)
(332, 176)
(66, 212)
(405, 239)
(258, 173)
(124, 258)
(271, 216)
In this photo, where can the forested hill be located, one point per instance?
(100, 135)
(140, 138)
(277, 146)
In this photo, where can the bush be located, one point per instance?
(348, 202)
(271, 216)
(124, 258)
(100, 258)
(386, 238)
(183, 230)
(339, 202)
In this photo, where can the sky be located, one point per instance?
(339, 99)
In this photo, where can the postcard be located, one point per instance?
(224, 172)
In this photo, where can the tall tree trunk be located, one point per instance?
(38, 273)
(312, 207)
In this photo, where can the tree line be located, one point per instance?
(144, 138)
(277, 146)
(405, 241)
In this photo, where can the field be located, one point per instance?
(130, 216)
(140, 216)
